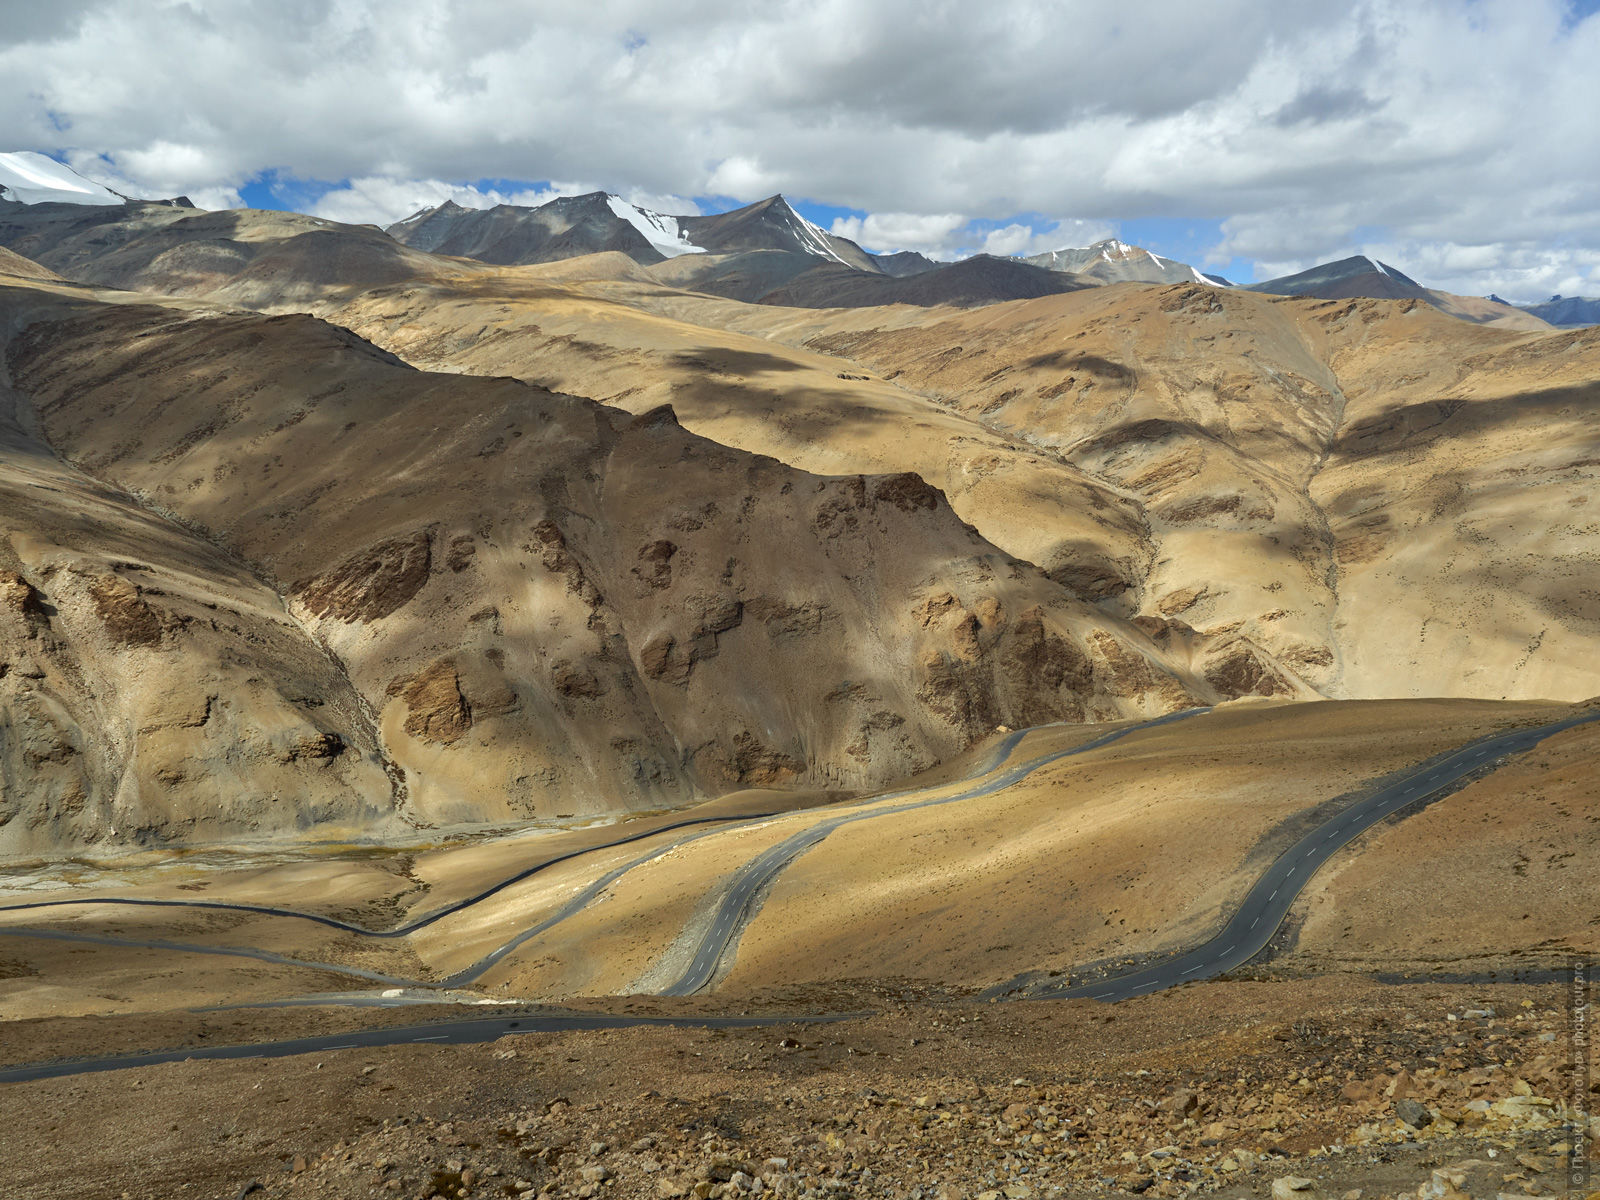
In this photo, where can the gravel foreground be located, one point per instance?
(1298, 1091)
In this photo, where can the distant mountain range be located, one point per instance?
(1568, 312)
(965, 283)
(571, 226)
(567, 227)
(1347, 278)
(575, 225)
(1361, 277)
(305, 531)
(762, 253)
(1114, 261)
(767, 252)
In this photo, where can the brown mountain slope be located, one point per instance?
(747, 276)
(23, 268)
(794, 404)
(1481, 310)
(803, 281)
(966, 283)
(1461, 491)
(153, 687)
(553, 606)
(1360, 277)
(1452, 467)
(273, 261)
(1201, 431)
(1219, 513)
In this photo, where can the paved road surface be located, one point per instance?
(467, 974)
(1267, 903)
(476, 1029)
(461, 978)
(405, 927)
(737, 906)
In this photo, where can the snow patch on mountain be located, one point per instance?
(662, 232)
(1113, 260)
(812, 236)
(31, 178)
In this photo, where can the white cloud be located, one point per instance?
(213, 198)
(1022, 240)
(1308, 126)
(662, 202)
(884, 233)
(951, 235)
(380, 200)
(93, 166)
(742, 176)
(1519, 273)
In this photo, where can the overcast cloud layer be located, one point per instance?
(1455, 138)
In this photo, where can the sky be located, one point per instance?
(1455, 139)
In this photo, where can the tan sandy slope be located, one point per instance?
(631, 348)
(1214, 463)
(276, 261)
(1159, 447)
(23, 268)
(1507, 864)
(545, 605)
(1139, 848)
(151, 683)
(1174, 495)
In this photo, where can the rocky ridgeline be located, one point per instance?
(1472, 1108)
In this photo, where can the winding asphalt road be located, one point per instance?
(1268, 901)
(477, 1029)
(473, 971)
(1245, 934)
(405, 927)
(738, 905)
(461, 978)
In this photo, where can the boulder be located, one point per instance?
(1414, 1113)
(1294, 1187)
(1181, 1103)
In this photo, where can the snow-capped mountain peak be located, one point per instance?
(30, 178)
(569, 226)
(813, 237)
(1113, 260)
